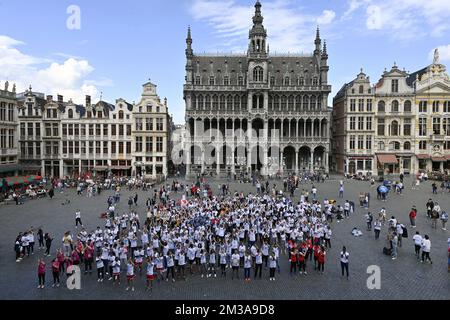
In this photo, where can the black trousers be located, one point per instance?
(41, 279)
(55, 277)
(101, 272)
(272, 272)
(344, 266)
(258, 267)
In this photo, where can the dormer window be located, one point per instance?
(394, 86)
(361, 89)
(121, 115)
(70, 114)
(149, 108)
(99, 114)
(89, 114)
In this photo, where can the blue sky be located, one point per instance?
(121, 44)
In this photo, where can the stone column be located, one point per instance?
(312, 160)
(327, 166)
(218, 158)
(304, 128)
(203, 159)
(296, 162)
(188, 161)
(289, 126)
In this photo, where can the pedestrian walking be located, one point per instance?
(417, 238)
(78, 219)
(444, 219)
(377, 229)
(426, 250)
(413, 216)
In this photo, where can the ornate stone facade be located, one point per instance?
(232, 96)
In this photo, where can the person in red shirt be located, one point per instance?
(412, 217)
(309, 253)
(75, 257)
(41, 274)
(321, 259)
(293, 260)
(316, 250)
(302, 261)
(61, 259)
(88, 257)
(55, 272)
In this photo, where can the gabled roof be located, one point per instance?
(412, 77)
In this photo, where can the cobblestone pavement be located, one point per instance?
(404, 278)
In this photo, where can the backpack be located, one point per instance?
(444, 216)
(405, 232)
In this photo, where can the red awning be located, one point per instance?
(447, 157)
(387, 159)
(423, 156)
(438, 159)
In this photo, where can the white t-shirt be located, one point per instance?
(130, 269)
(99, 262)
(417, 239)
(235, 260)
(116, 266)
(77, 215)
(426, 245)
(344, 257)
(150, 268)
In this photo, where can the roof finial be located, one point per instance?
(436, 56)
(101, 95)
(30, 88)
(318, 33)
(189, 51)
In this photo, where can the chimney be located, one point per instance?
(88, 101)
(49, 98)
(60, 99)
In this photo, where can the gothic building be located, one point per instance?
(271, 109)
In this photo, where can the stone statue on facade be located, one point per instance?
(436, 57)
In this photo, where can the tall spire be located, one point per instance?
(258, 34)
(324, 51)
(317, 42)
(258, 19)
(189, 51)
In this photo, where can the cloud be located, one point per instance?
(444, 53)
(68, 78)
(289, 27)
(327, 17)
(354, 5)
(404, 19)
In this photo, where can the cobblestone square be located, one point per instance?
(404, 278)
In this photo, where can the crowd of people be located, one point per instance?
(227, 235)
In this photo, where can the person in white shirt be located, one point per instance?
(272, 266)
(417, 238)
(212, 263)
(344, 261)
(78, 219)
(247, 266)
(258, 264)
(100, 268)
(116, 270)
(235, 261)
(426, 249)
(150, 273)
(170, 266)
(130, 274)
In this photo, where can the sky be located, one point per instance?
(109, 49)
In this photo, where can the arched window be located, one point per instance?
(222, 102)
(215, 103)
(291, 103)
(121, 115)
(305, 103)
(298, 103)
(361, 89)
(287, 81)
(395, 106)
(200, 102)
(407, 146)
(283, 103)
(276, 102)
(208, 102)
(407, 106)
(394, 145)
(312, 103)
(70, 114)
(230, 102)
(258, 74)
(381, 106)
(237, 102)
(394, 128)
